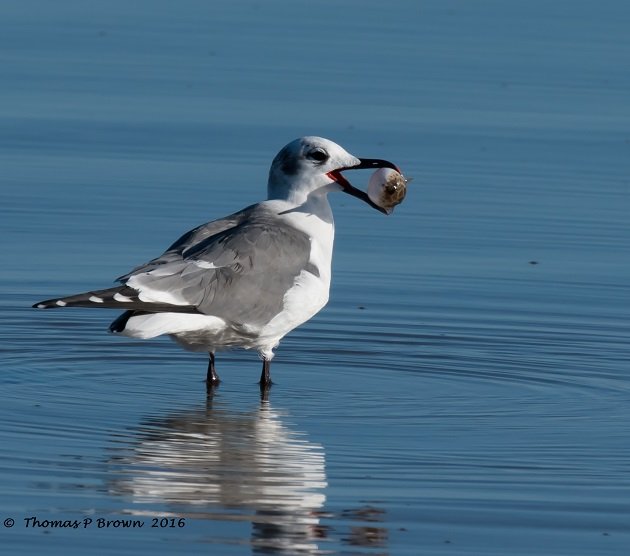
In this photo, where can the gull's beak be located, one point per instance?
(364, 163)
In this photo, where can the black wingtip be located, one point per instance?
(119, 324)
(45, 305)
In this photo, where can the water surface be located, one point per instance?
(466, 390)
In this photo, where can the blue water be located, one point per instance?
(466, 390)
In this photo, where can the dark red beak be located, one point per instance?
(364, 164)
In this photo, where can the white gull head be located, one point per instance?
(312, 166)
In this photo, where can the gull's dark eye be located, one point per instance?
(318, 155)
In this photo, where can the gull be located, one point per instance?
(248, 279)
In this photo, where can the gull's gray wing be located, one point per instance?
(238, 268)
(191, 238)
(239, 274)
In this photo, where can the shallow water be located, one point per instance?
(466, 390)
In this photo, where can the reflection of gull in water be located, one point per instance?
(211, 462)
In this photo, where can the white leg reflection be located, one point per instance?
(214, 463)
